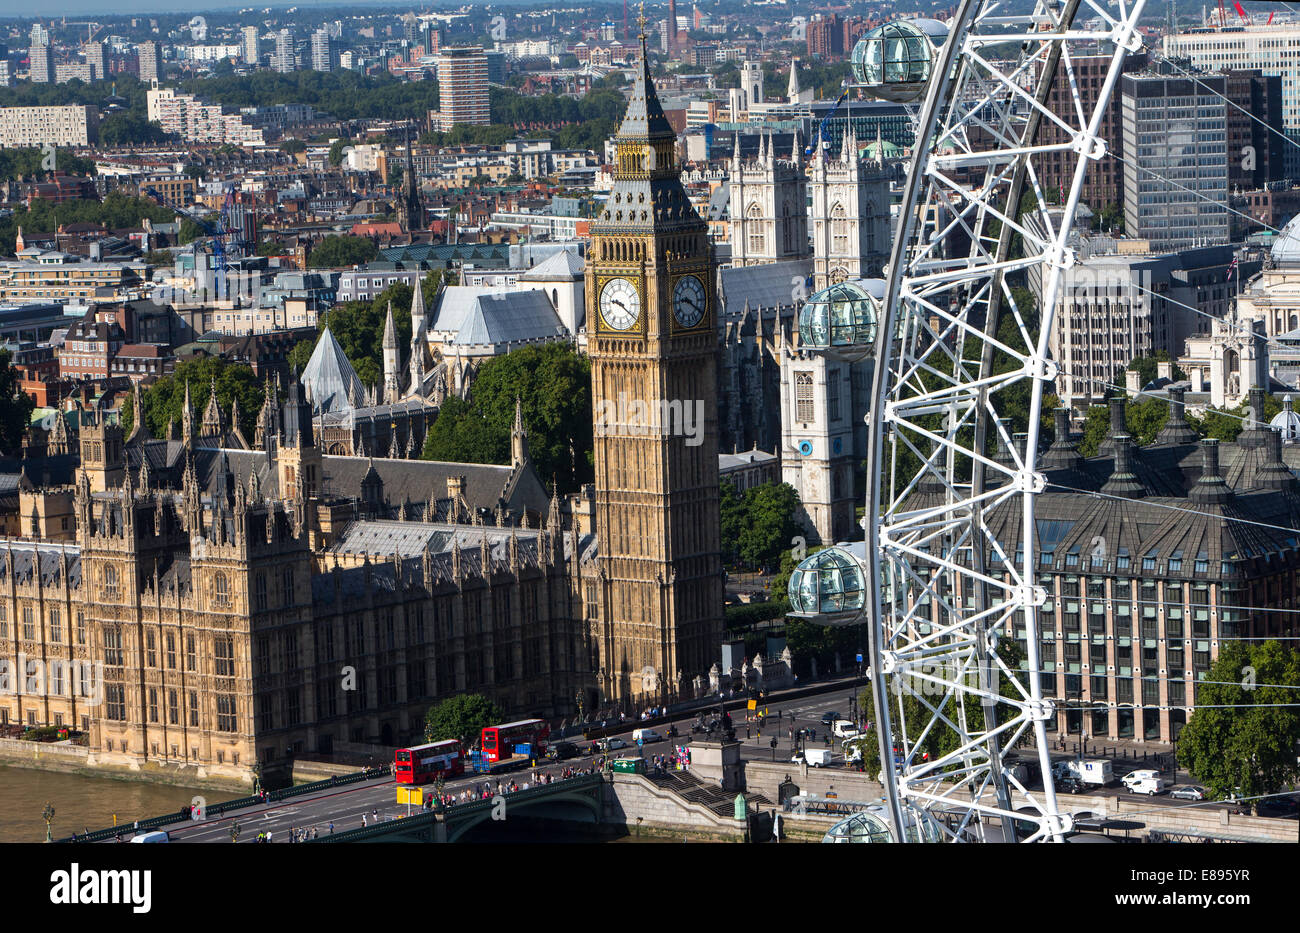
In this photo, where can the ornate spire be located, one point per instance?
(187, 418)
(518, 437)
(212, 420)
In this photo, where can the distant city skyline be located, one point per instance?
(12, 9)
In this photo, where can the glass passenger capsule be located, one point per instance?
(829, 586)
(874, 825)
(894, 61)
(842, 319)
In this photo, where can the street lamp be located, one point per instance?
(48, 815)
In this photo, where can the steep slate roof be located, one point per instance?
(417, 481)
(509, 317)
(563, 265)
(329, 377)
(770, 285)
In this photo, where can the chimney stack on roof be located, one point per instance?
(1211, 488)
(1253, 428)
(1117, 426)
(1063, 454)
(1176, 429)
(1123, 481)
(1273, 472)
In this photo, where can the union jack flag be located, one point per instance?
(1232, 268)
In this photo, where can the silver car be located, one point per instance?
(1188, 792)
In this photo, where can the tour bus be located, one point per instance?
(422, 763)
(527, 737)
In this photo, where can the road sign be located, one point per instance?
(411, 796)
(753, 705)
(859, 659)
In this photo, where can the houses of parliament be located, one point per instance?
(245, 602)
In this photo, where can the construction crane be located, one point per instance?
(821, 127)
(217, 231)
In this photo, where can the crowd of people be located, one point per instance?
(487, 790)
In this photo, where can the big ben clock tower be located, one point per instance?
(651, 281)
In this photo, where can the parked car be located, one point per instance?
(562, 750)
(647, 736)
(1277, 806)
(843, 729)
(832, 716)
(613, 744)
(1187, 792)
(1069, 784)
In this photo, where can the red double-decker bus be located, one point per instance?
(422, 763)
(500, 742)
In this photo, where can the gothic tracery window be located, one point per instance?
(754, 216)
(803, 396)
(839, 231)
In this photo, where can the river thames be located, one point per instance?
(82, 802)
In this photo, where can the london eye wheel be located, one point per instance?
(948, 594)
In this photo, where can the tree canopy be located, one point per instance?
(130, 129)
(114, 212)
(342, 250)
(759, 525)
(1242, 736)
(15, 407)
(344, 94)
(19, 163)
(461, 717)
(164, 401)
(553, 384)
(1225, 425)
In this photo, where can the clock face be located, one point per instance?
(688, 301)
(620, 304)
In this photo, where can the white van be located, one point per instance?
(1145, 781)
(843, 729)
(156, 836)
(647, 736)
(816, 757)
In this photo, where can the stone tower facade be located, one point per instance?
(849, 215)
(656, 580)
(769, 217)
(818, 452)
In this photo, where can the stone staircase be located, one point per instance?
(687, 786)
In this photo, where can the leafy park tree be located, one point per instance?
(1226, 425)
(1242, 738)
(293, 146)
(460, 717)
(342, 250)
(17, 163)
(758, 526)
(359, 327)
(553, 384)
(164, 401)
(15, 407)
(336, 151)
(130, 129)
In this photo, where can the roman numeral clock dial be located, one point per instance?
(688, 301)
(620, 304)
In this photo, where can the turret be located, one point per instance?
(518, 438)
(391, 360)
